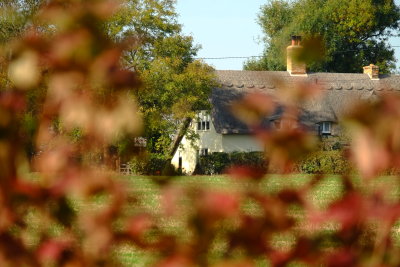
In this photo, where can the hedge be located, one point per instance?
(218, 162)
(328, 162)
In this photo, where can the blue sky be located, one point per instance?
(226, 28)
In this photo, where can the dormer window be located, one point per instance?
(203, 122)
(326, 128)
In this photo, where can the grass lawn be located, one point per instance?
(329, 189)
(149, 195)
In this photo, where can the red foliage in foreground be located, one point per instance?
(86, 89)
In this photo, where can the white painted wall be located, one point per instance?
(189, 157)
(236, 142)
(215, 142)
(207, 139)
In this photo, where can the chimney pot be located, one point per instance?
(298, 39)
(294, 39)
(372, 71)
(294, 66)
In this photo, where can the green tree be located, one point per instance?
(175, 85)
(15, 17)
(351, 33)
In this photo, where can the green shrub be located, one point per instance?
(218, 162)
(151, 164)
(214, 163)
(328, 162)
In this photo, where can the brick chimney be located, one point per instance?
(372, 71)
(294, 66)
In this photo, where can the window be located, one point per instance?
(204, 152)
(203, 122)
(325, 127)
(201, 152)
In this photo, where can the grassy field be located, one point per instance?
(329, 189)
(148, 195)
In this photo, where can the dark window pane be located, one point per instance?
(207, 125)
(198, 125)
(203, 125)
(326, 127)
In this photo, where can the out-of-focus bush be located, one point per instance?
(325, 162)
(65, 98)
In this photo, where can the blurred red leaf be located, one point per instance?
(287, 146)
(51, 250)
(291, 196)
(349, 211)
(279, 258)
(28, 189)
(12, 101)
(235, 264)
(170, 197)
(342, 258)
(251, 236)
(253, 108)
(138, 225)
(175, 261)
(218, 205)
(370, 155)
(246, 172)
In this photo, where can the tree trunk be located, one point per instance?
(178, 138)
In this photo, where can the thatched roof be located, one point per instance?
(340, 92)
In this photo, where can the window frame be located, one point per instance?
(324, 130)
(203, 122)
(204, 152)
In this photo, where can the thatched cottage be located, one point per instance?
(221, 131)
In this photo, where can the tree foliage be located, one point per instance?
(175, 85)
(16, 16)
(351, 33)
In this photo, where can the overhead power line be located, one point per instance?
(226, 57)
(245, 57)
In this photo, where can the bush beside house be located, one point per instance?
(328, 162)
(218, 162)
(151, 164)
